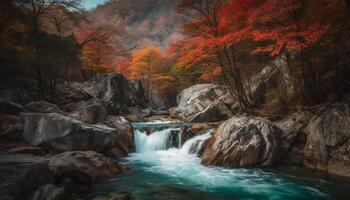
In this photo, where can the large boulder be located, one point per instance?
(243, 141)
(21, 175)
(64, 133)
(117, 92)
(328, 140)
(53, 178)
(119, 95)
(202, 103)
(84, 167)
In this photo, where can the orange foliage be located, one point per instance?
(122, 66)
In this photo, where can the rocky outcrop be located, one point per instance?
(85, 168)
(212, 103)
(22, 174)
(328, 140)
(42, 107)
(124, 144)
(64, 133)
(119, 95)
(243, 141)
(53, 178)
(202, 103)
(268, 78)
(293, 136)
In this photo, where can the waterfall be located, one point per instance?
(158, 140)
(166, 139)
(194, 145)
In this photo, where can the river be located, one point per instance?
(162, 168)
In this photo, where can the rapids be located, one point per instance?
(164, 168)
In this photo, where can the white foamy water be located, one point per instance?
(159, 140)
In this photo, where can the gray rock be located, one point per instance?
(202, 103)
(212, 103)
(49, 192)
(243, 141)
(37, 151)
(26, 176)
(86, 167)
(293, 138)
(64, 133)
(21, 175)
(268, 78)
(42, 107)
(71, 92)
(94, 113)
(124, 144)
(119, 95)
(328, 140)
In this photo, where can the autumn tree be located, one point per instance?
(145, 63)
(290, 28)
(214, 30)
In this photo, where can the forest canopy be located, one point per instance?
(187, 42)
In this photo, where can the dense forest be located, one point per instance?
(216, 41)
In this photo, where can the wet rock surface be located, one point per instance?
(243, 141)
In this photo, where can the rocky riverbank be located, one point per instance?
(54, 151)
(57, 150)
(315, 137)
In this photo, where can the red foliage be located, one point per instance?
(277, 21)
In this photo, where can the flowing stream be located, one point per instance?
(164, 168)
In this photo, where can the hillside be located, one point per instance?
(150, 21)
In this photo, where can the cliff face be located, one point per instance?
(151, 21)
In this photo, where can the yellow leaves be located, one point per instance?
(146, 59)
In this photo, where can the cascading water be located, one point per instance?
(166, 139)
(157, 141)
(165, 169)
(194, 145)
